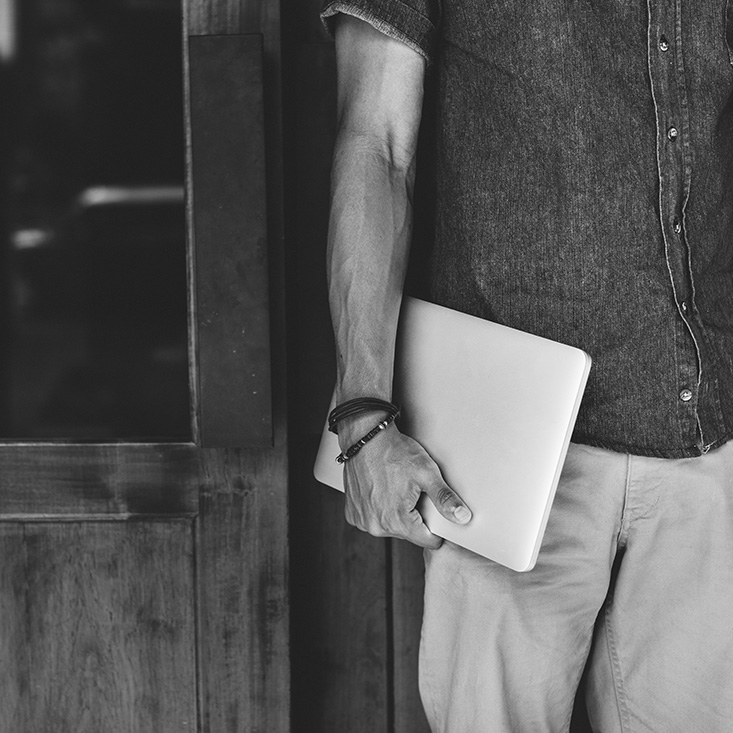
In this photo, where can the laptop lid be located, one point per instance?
(495, 408)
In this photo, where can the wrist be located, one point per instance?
(352, 419)
(352, 429)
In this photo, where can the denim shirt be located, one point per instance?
(581, 195)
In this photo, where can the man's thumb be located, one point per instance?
(448, 503)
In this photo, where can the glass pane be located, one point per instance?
(93, 241)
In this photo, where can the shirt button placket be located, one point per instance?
(670, 102)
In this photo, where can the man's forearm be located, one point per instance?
(369, 235)
(380, 91)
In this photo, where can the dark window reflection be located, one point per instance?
(94, 233)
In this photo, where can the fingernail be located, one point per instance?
(462, 514)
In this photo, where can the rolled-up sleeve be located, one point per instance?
(414, 22)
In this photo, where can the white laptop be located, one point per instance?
(495, 408)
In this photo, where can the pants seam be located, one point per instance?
(623, 528)
(615, 662)
(623, 712)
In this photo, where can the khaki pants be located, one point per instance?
(635, 576)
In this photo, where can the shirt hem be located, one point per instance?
(670, 453)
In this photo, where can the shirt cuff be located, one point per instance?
(391, 17)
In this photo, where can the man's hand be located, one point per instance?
(384, 482)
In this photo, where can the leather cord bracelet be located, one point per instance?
(350, 452)
(356, 407)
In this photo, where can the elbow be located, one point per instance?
(372, 149)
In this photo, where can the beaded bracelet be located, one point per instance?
(356, 407)
(349, 453)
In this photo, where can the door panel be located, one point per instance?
(100, 627)
(229, 217)
(94, 256)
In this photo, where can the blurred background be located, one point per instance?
(93, 305)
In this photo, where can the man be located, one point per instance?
(581, 195)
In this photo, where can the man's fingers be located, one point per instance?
(415, 532)
(409, 526)
(418, 533)
(448, 503)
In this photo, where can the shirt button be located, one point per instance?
(672, 133)
(676, 225)
(663, 44)
(685, 395)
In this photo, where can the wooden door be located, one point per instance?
(143, 586)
